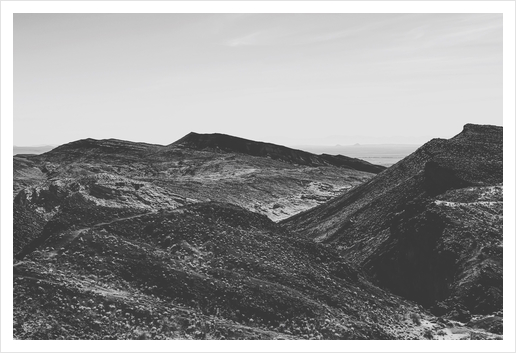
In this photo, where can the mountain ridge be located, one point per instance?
(232, 176)
(429, 198)
(230, 143)
(216, 142)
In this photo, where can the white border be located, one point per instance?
(505, 7)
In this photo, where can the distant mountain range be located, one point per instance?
(382, 154)
(376, 153)
(348, 140)
(31, 149)
(217, 142)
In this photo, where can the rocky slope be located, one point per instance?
(26, 173)
(202, 271)
(429, 228)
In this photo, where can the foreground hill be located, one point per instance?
(430, 227)
(201, 271)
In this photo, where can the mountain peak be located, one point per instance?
(480, 133)
(481, 128)
(213, 140)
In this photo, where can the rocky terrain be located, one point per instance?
(122, 240)
(203, 271)
(122, 171)
(429, 228)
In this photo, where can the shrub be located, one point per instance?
(415, 318)
(140, 335)
(428, 334)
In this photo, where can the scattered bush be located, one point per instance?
(415, 318)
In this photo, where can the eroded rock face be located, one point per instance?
(428, 228)
(102, 189)
(27, 228)
(46, 196)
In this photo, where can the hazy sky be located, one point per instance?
(283, 78)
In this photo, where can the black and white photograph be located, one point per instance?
(259, 176)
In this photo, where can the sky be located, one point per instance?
(292, 79)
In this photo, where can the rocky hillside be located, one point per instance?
(201, 271)
(429, 228)
(137, 177)
(129, 173)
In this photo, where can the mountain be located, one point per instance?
(122, 240)
(109, 168)
(429, 228)
(229, 143)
